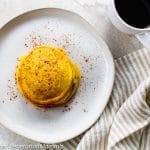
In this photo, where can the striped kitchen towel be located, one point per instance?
(125, 122)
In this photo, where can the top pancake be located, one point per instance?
(44, 73)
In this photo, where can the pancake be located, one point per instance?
(47, 77)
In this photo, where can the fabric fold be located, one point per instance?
(132, 116)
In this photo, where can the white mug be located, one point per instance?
(142, 34)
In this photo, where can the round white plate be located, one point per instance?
(60, 28)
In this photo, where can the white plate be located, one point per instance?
(63, 29)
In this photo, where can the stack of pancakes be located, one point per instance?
(47, 77)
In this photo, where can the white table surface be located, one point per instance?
(94, 11)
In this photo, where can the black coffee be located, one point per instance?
(134, 12)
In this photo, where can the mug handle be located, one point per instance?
(144, 38)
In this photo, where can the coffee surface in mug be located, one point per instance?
(134, 12)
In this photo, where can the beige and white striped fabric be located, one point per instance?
(125, 122)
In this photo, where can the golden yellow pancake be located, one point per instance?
(47, 77)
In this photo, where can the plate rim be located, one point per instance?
(110, 81)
